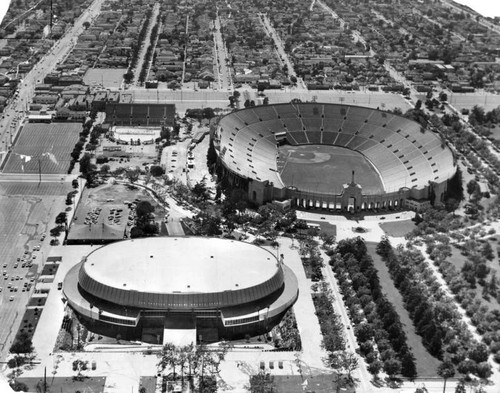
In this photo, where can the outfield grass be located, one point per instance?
(426, 364)
(325, 169)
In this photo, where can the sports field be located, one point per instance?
(47, 145)
(107, 77)
(325, 169)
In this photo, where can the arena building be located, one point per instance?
(331, 156)
(144, 288)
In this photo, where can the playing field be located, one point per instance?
(43, 147)
(325, 169)
(107, 77)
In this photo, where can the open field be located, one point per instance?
(325, 169)
(107, 77)
(43, 148)
(467, 100)
(426, 364)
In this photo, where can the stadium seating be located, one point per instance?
(403, 155)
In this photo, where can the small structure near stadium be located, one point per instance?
(214, 288)
(331, 156)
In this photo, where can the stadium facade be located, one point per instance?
(413, 163)
(224, 289)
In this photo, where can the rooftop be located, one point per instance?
(181, 265)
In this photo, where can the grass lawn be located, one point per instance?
(296, 384)
(326, 227)
(149, 383)
(426, 364)
(397, 228)
(62, 384)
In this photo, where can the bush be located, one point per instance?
(18, 386)
(16, 361)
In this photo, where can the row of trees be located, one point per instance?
(136, 47)
(149, 51)
(77, 150)
(330, 323)
(197, 362)
(376, 319)
(435, 316)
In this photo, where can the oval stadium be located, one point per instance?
(331, 156)
(213, 288)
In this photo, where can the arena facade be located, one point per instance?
(402, 160)
(224, 289)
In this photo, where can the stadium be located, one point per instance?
(207, 288)
(331, 156)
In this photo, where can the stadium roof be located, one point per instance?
(180, 265)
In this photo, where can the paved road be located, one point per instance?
(281, 50)
(9, 125)
(222, 58)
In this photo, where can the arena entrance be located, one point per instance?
(181, 331)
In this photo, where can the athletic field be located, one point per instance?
(325, 169)
(44, 147)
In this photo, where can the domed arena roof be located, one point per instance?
(180, 272)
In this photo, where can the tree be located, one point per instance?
(392, 367)
(132, 175)
(156, 171)
(460, 387)
(344, 362)
(261, 383)
(86, 24)
(375, 367)
(479, 353)
(22, 344)
(446, 370)
(472, 186)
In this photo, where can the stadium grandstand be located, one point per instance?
(146, 288)
(146, 115)
(331, 156)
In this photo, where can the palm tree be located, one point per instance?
(446, 370)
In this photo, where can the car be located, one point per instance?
(5, 272)
(11, 298)
(23, 265)
(16, 265)
(4, 265)
(9, 285)
(15, 289)
(34, 257)
(42, 238)
(18, 259)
